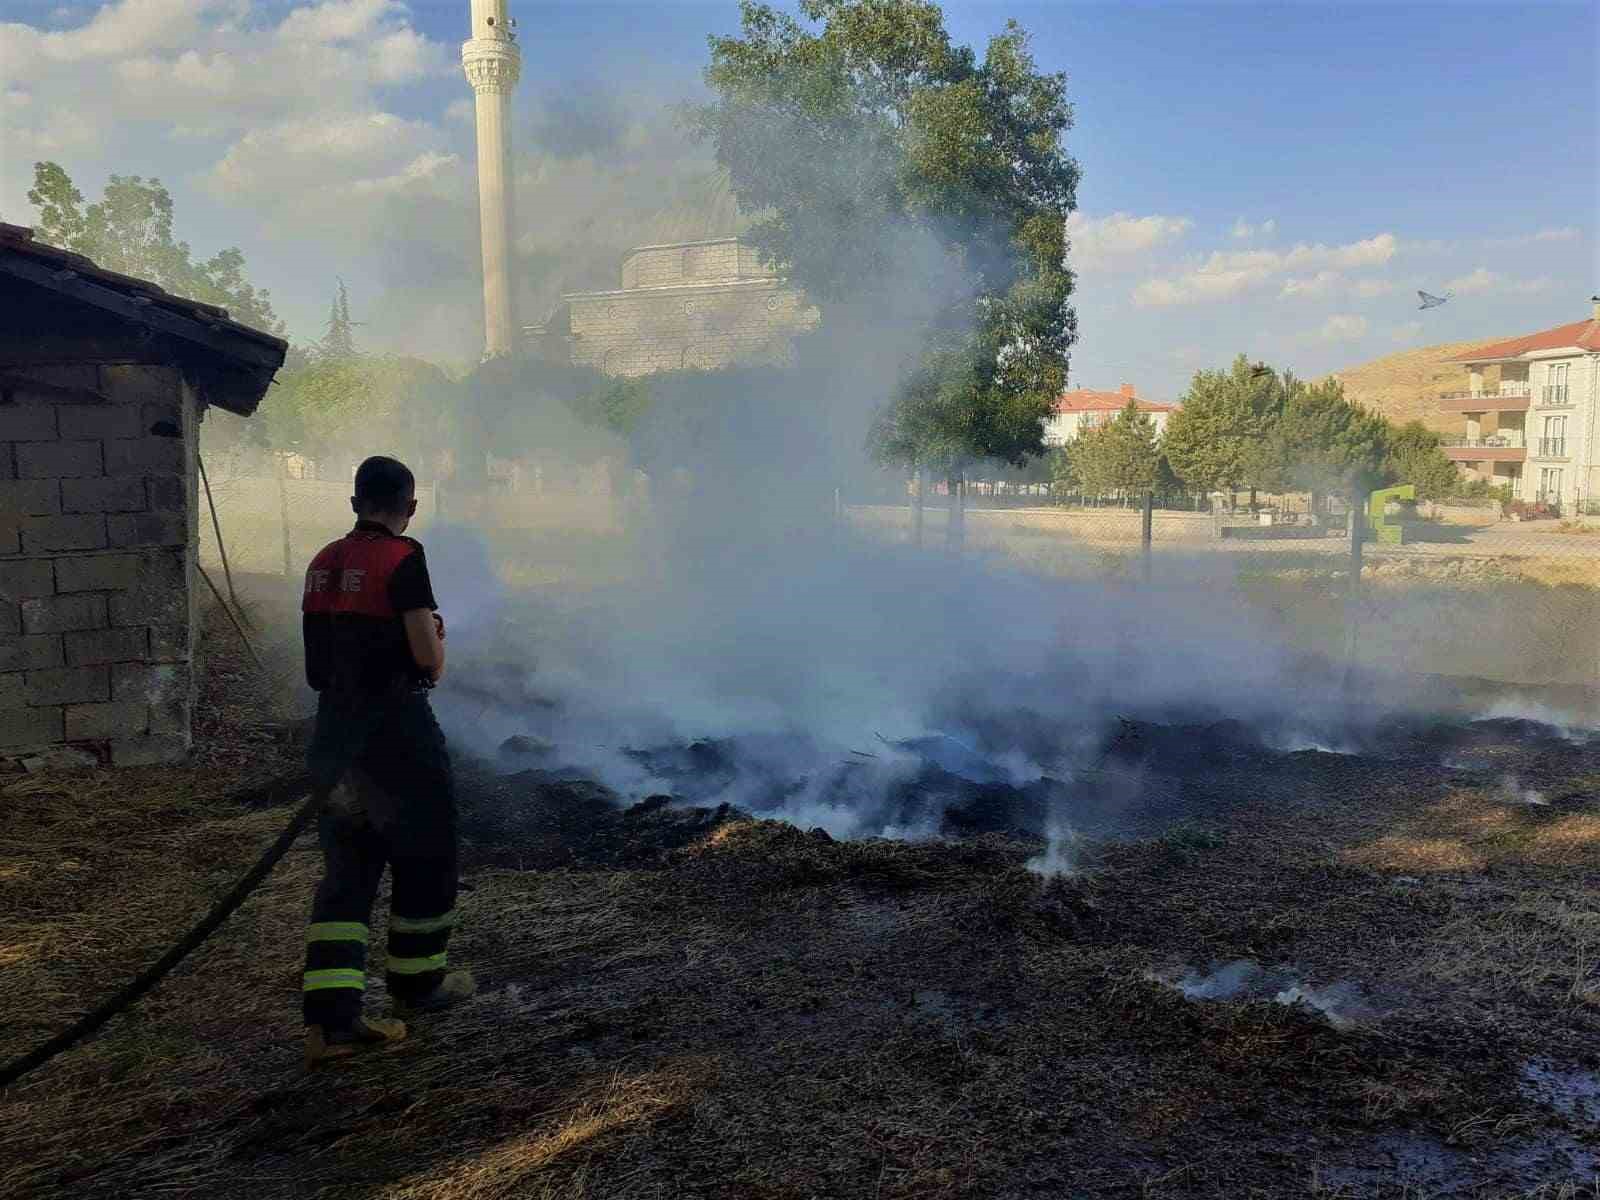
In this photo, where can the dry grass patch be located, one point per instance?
(549, 1160)
(1547, 947)
(1470, 831)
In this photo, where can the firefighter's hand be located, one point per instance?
(438, 625)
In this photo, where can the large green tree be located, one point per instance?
(1214, 441)
(1323, 444)
(337, 403)
(1415, 458)
(1120, 457)
(897, 173)
(130, 231)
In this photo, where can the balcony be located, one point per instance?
(1505, 447)
(1512, 397)
(1553, 447)
(1556, 396)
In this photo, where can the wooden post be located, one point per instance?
(216, 528)
(283, 514)
(1147, 524)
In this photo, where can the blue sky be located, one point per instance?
(1275, 178)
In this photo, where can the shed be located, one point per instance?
(104, 380)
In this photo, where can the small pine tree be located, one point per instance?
(339, 342)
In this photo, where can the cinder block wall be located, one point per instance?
(97, 535)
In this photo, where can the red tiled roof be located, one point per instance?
(248, 352)
(1084, 400)
(1585, 335)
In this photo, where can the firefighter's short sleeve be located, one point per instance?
(409, 585)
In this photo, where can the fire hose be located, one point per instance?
(279, 790)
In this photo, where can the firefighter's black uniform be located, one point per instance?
(374, 720)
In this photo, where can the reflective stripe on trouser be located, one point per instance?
(336, 940)
(417, 952)
(397, 744)
(336, 970)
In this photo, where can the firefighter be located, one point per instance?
(374, 646)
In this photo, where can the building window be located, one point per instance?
(1549, 485)
(1555, 383)
(1554, 441)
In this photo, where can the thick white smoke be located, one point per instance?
(830, 669)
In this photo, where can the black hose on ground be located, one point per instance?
(219, 913)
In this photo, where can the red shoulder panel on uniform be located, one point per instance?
(351, 576)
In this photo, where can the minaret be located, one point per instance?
(493, 63)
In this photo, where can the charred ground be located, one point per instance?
(680, 1000)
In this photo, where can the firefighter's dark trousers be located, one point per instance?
(391, 759)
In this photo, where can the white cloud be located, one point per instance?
(1232, 272)
(1343, 327)
(143, 79)
(1519, 241)
(1540, 237)
(1479, 281)
(117, 30)
(1320, 284)
(1409, 332)
(1330, 283)
(460, 109)
(336, 20)
(1483, 281)
(1243, 230)
(1100, 242)
(330, 170)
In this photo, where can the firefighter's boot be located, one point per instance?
(368, 1033)
(452, 990)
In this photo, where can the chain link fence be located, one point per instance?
(1465, 591)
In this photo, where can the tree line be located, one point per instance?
(1254, 428)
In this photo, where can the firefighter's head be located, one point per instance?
(386, 492)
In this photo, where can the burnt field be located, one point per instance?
(1274, 970)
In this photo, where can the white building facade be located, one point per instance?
(1079, 411)
(1539, 430)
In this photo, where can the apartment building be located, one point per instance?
(1539, 429)
(1079, 411)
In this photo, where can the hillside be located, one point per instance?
(1405, 386)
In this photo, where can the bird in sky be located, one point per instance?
(1430, 301)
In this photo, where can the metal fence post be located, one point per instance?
(1146, 526)
(1353, 599)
